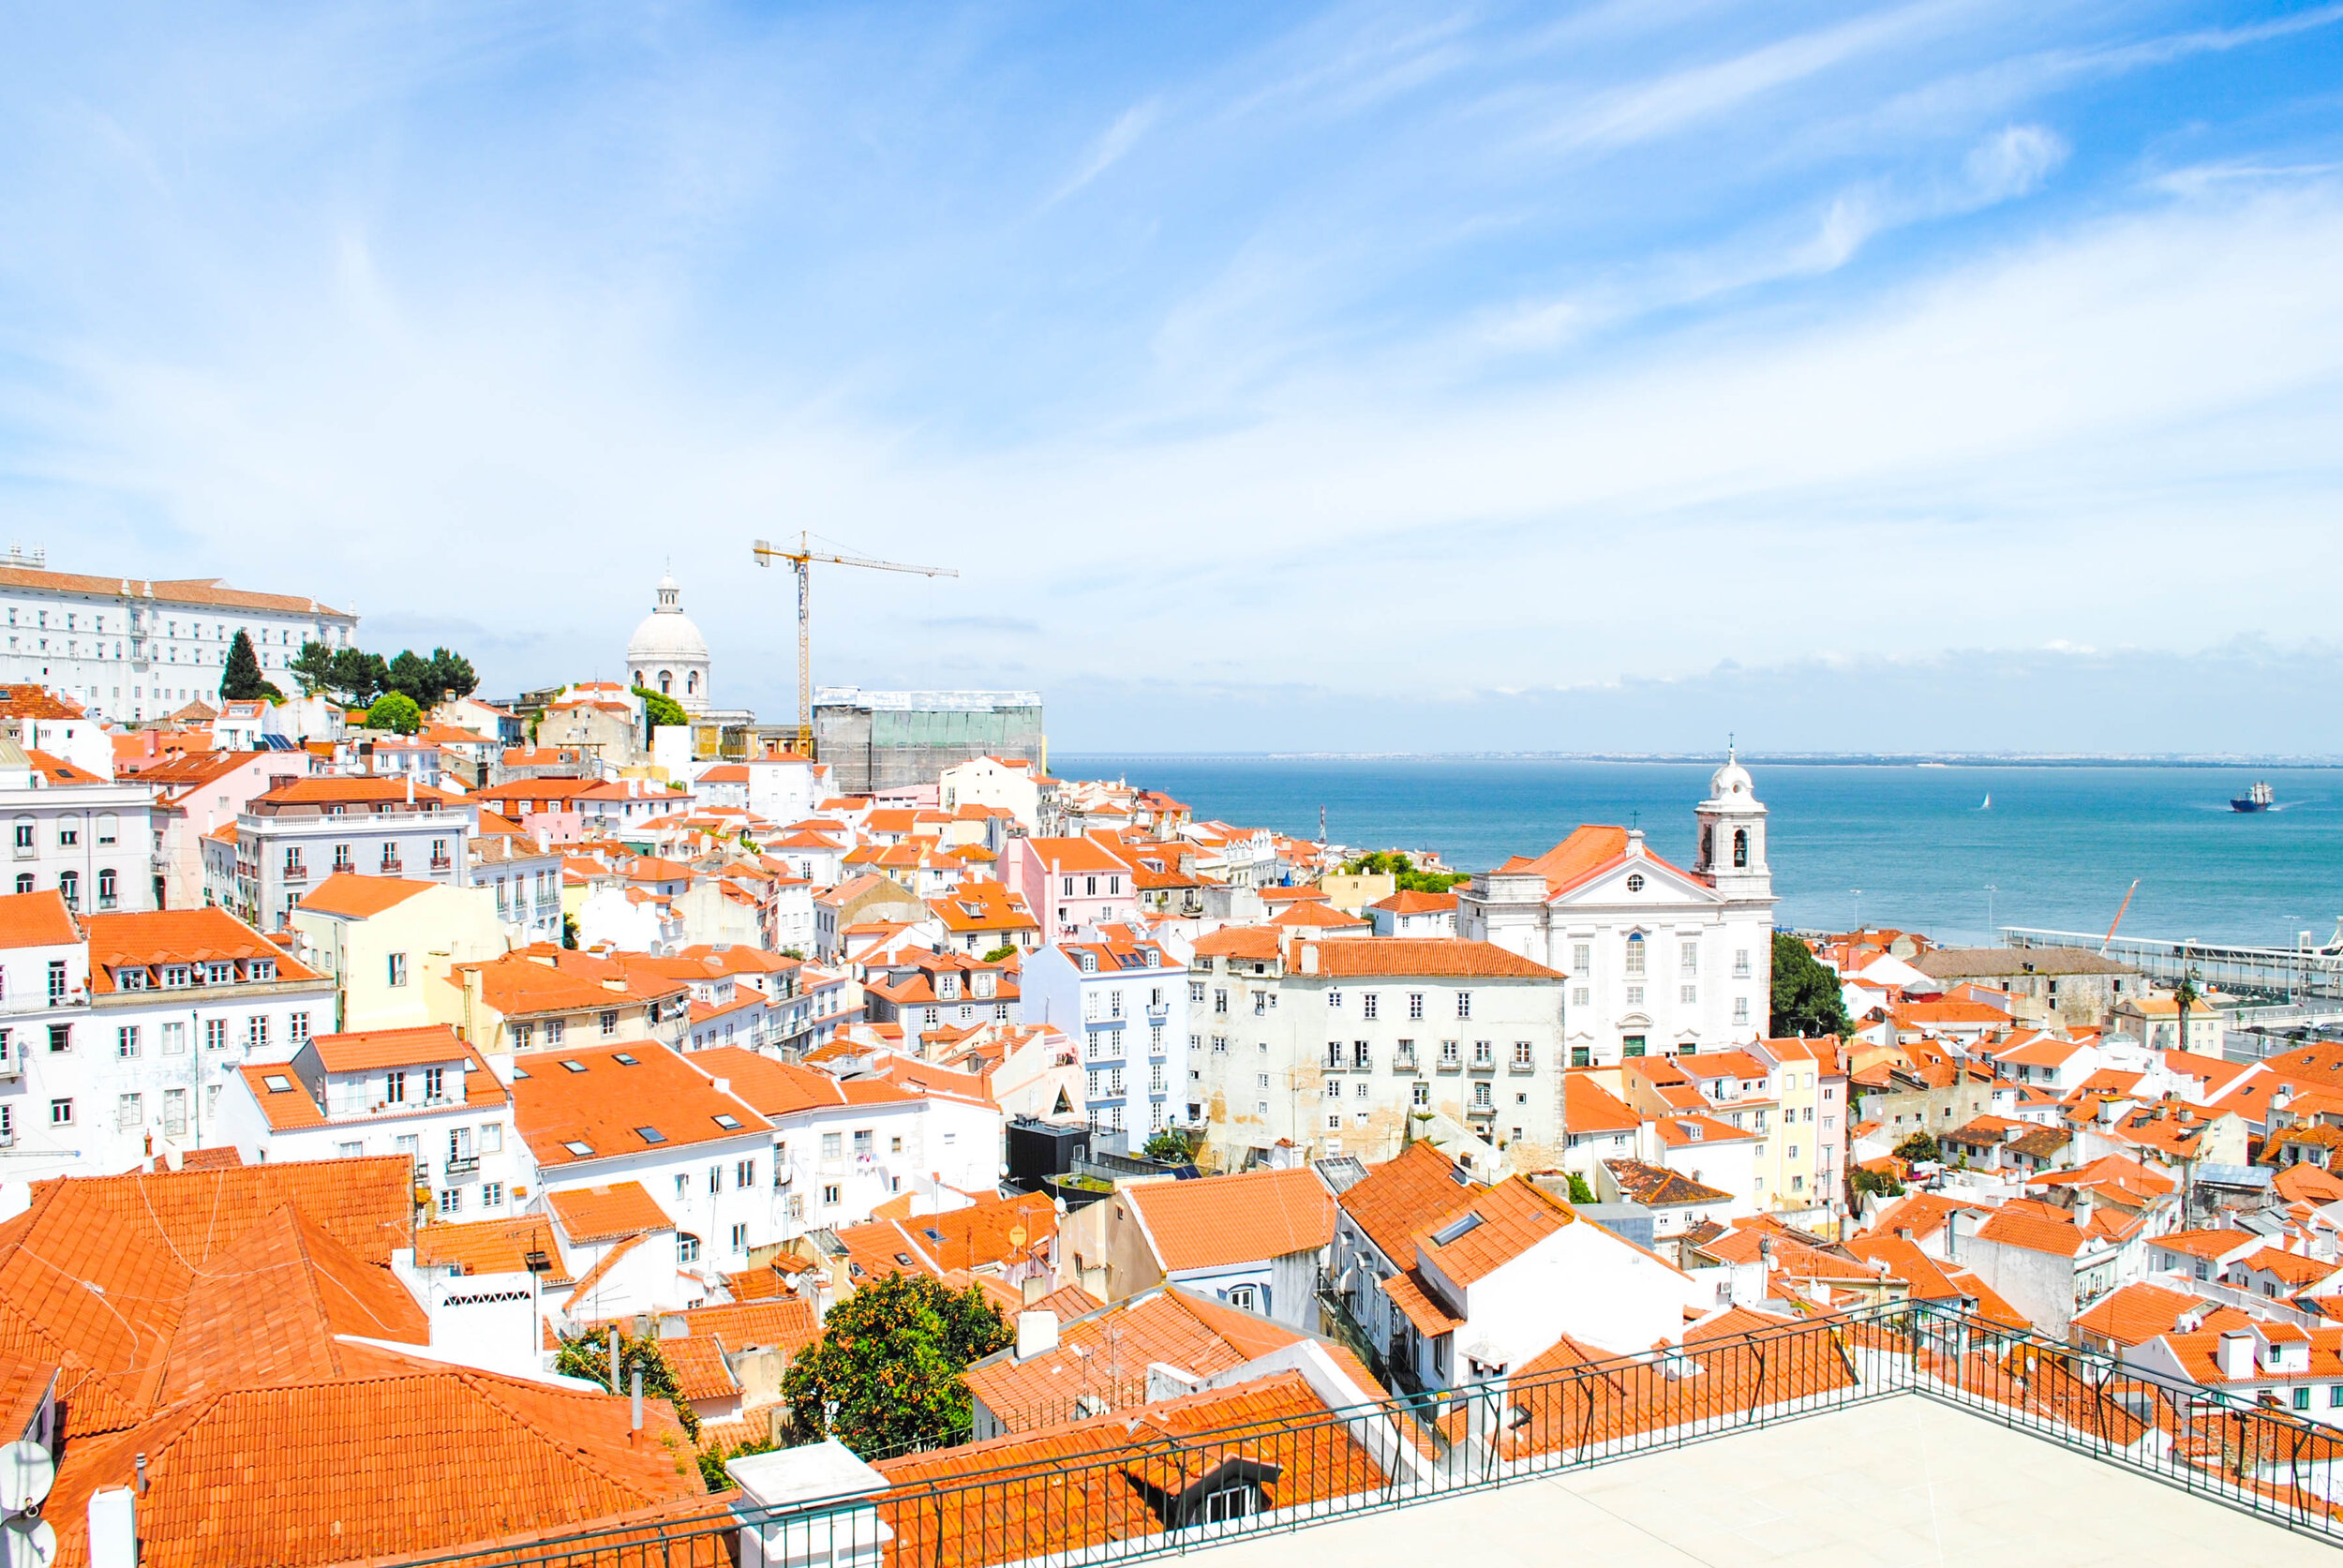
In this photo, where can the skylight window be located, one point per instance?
(730, 1124)
(625, 1061)
(520, 1072)
(572, 1065)
(578, 1146)
(1456, 1231)
(650, 1135)
(278, 1084)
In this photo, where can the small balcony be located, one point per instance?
(296, 872)
(1521, 1069)
(1403, 1062)
(1450, 1063)
(1480, 1068)
(1481, 1112)
(441, 863)
(463, 1165)
(393, 867)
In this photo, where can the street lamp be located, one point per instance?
(1858, 893)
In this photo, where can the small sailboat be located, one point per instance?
(1989, 802)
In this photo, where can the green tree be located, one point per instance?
(357, 678)
(396, 712)
(1806, 998)
(569, 931)
(1168, 1145)
(1876, 1181)
(660, 708)
(884, 1376)
(1579, 1192)
(451, 675)
(712, 1474)
(1002, 954)
(410, 675)
(1919, 1148)
(588, 1356)
(313, 667)
(243, 681)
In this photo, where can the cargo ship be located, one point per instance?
(2259, 799)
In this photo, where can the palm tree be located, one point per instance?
(2186, 996)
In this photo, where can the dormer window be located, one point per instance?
(1090, 963)
(130, 978)
(219, 974)
(174, 975)
(263, 968)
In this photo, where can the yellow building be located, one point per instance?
(1802, 1163)
(391, 943)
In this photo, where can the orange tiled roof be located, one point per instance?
(1233, 1219)
(362, 1049)
(330, 1471)
(178, 935)
(605, 1107)
(96, 1274)
(353, 897)
(1431, 957)
(491, 1247)
(1514, 1216)
(36, 920)
(589, 1213)
(1404, 1194)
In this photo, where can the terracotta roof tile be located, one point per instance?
(1508, 1219)
(1402, 1195)
(603, 1108)
(355, 897)
(36, 920)
(1232, 1219)
(591, 1214)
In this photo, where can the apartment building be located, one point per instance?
(302, 831)
(1124, 1000)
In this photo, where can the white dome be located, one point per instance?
(1731, 780)
(668, 644)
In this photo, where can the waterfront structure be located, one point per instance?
(883, 741)
(135, 648)
(1661, 960)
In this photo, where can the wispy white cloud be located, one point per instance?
(1112, 147)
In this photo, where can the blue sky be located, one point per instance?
(1950, 373)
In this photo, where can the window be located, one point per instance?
(1634, 882)
(107, 896)
(394, 1088)
(1741, 1010)
(1581, 1057)
(256, 1030)
(130, 1110)
(833, 1144)
(1483, 1053)
(1688, 994)
(215, 1034)
(25, 834)
(1362, 1054)
(69, 884)
(715, 1178)
(1741, 963)
(399, 968)
(1524, 1055)
(1366, 1005)
(1463, 1004)
(2302, 1397)
(127, 1041)
(743, 1177)
(1481, 1097)
(610, 1025)
(59, 1112)
(61, 1037)
(452, 1201)
(433, 1083)
(830, 1195)
(687, 1247)
(24, 882)
(1635, 953)
(492, 1195)
(1219, 999)
(1631, 1045)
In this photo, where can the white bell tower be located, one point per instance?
(1732, 856)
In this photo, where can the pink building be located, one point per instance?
(1070, 885)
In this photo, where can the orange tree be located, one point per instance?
(884, 1376)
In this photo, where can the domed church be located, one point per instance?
(666, 654)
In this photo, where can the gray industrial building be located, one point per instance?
(876, 740)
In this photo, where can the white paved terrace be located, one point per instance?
(1903, 1483)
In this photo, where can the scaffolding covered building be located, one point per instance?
(880, 740)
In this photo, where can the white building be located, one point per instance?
(421, 1093)
(302, 831)
(133, 649)
(667, 654)
(1659, 959)
(842, 1147)
(1012, 783)
(1125, 1001)
(1334, 1045)
(122, 1037)
(602, 1116)
(93, 843)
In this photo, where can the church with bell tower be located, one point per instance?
(1657, 959)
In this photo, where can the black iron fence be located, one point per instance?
(1274, 1457)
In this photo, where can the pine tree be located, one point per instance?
(244, 680)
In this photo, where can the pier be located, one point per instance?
(2305, 972)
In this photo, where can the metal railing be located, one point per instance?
(1110, 1490)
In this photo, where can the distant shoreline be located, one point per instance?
(1776, 759)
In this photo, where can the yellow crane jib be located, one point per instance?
(802, 561)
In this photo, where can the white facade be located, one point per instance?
(1659, 960)
(130, 648)
(986, 780)
(1129, 1020)
(667, 654)
(94, 844)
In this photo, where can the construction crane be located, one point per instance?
(802, 558)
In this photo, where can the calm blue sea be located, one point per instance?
(2057, 847)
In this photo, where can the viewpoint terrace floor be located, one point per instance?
(1901, 1482)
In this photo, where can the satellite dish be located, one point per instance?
(28, 1544)
(26, 1474)
(1016, 1236)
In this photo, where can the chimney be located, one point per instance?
(1037, 1332)
(140, 1463)
(723, 1085)
(2235, 1354)
(637, 1411)
(410, 789)
(113, 1528)
(1309, 957)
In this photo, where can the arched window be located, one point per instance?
(69, 884)
(106, 894)
(24, 882)
(109, 827)
(638, 677)
(1740, 846)
(1634, 952)
(24, 834)
(1708, 845)
(692, 682)
(687, 1247)
(666, 683)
